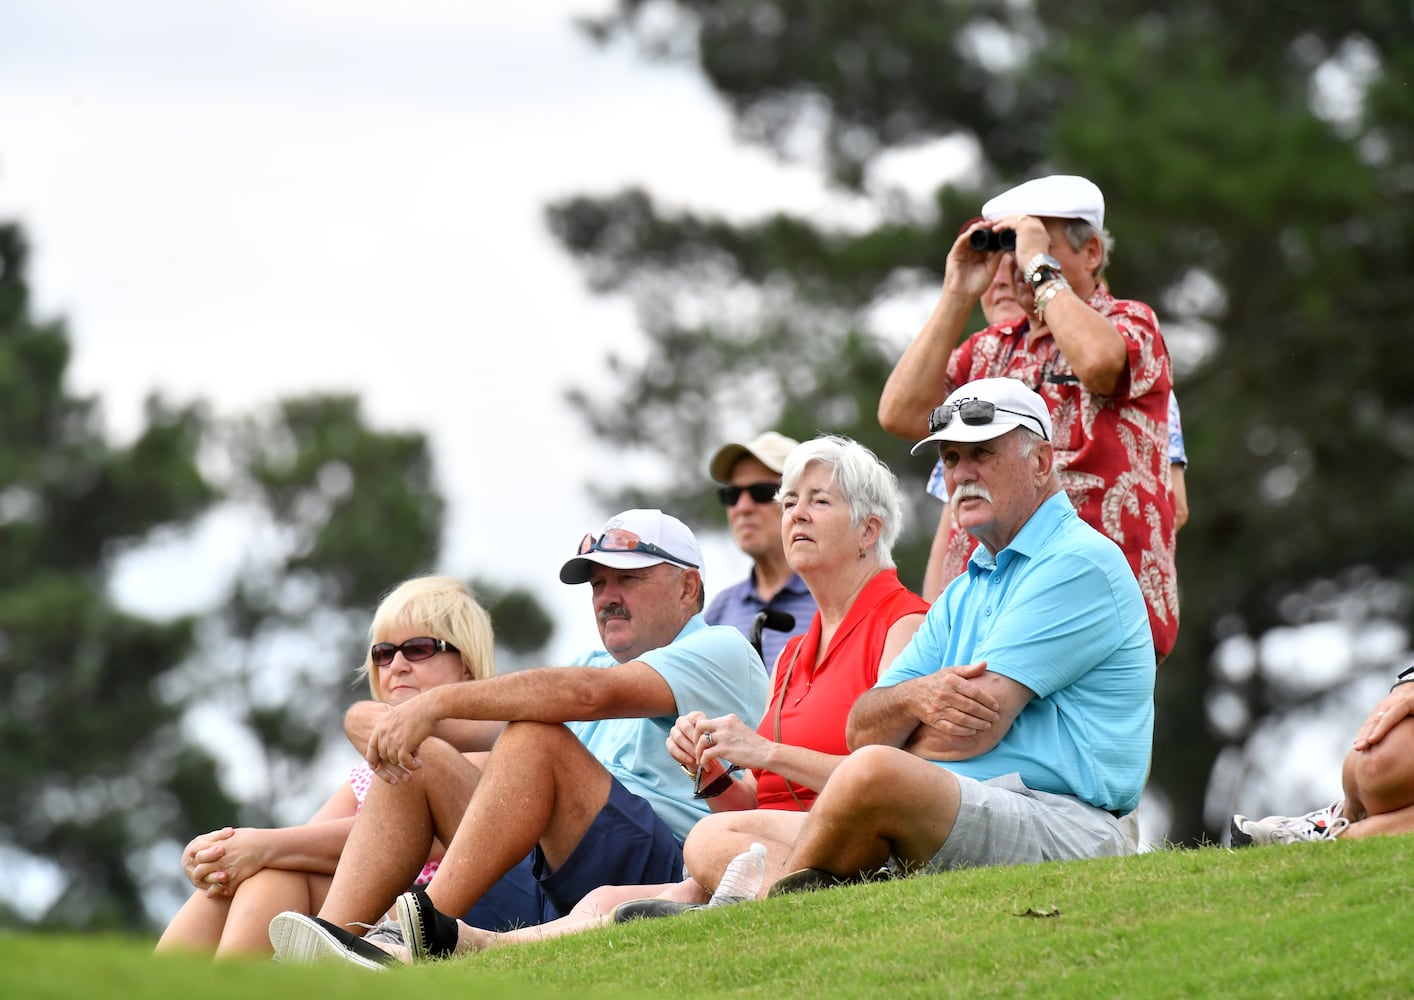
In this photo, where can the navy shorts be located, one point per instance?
(627, 844)
(513, 901)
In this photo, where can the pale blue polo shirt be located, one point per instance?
(711, 669)
(1059, 611)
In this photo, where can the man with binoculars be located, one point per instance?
(1099, 362)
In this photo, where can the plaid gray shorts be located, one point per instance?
(1002, 822)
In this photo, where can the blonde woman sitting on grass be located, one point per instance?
(427, 632)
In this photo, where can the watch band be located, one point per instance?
(1048, 291)
(1405, 676)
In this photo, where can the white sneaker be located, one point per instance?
(1319, 824)
(298, 937)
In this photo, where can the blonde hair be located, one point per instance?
(448, 610)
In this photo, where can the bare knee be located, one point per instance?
(1383, 775)
(713, 826)
(866, 776)
(543, 736)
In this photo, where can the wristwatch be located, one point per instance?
(1043, 268)
(1405, 676)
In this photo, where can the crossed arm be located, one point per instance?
(954, 714)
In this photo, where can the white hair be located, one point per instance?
(868, 485)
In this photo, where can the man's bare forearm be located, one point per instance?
(465, 735)
(881, 716)
(918, 381)
(558, 694)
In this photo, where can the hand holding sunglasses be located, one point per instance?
(714, 776)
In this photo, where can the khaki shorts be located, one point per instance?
(1002, 822)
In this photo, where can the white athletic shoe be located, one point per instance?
(1319, 824)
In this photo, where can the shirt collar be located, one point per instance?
(1028, 541)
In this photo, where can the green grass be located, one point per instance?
(1307, 920)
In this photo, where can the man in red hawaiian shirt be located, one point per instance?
(1099, 362)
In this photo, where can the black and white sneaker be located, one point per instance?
(298, 937)
(427, 932)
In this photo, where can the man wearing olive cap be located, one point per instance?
(749, 475)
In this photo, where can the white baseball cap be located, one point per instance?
(634, 539)
(1012, 405)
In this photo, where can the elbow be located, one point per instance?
(360, 718)
(858, 734)
(889, 417)
(1101, 379)
(589, 698)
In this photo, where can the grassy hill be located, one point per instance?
(1307, 920)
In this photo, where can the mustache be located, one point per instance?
(971, 491)
(613, 611)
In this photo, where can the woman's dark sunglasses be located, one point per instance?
(759, 492)
(717, 786)
(622, 540)
(975, 412)
(422, 647)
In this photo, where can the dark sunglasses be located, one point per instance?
(717, 785)
(975, 412)
(759, 492)
(621, 540)
(422, 647)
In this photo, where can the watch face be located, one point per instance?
(1043, 268)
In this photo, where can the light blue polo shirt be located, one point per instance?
(711, 669)
(1059, 611)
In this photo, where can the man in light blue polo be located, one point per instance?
(1017, 726)
(580, 778)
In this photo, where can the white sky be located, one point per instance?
(237, 201)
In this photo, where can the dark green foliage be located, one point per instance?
(91, 749)
(1256, 168)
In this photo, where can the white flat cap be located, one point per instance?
(1060, 196)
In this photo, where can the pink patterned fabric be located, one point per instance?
(1112, 451)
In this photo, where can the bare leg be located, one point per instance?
(594, 910)
(540, 786)
(1379, 785)
(259, 898)
(714, 841)
(391, 839)
(197, 925)
(880, 801)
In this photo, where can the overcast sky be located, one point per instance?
(237, 201)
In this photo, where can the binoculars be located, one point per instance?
(991, 240)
